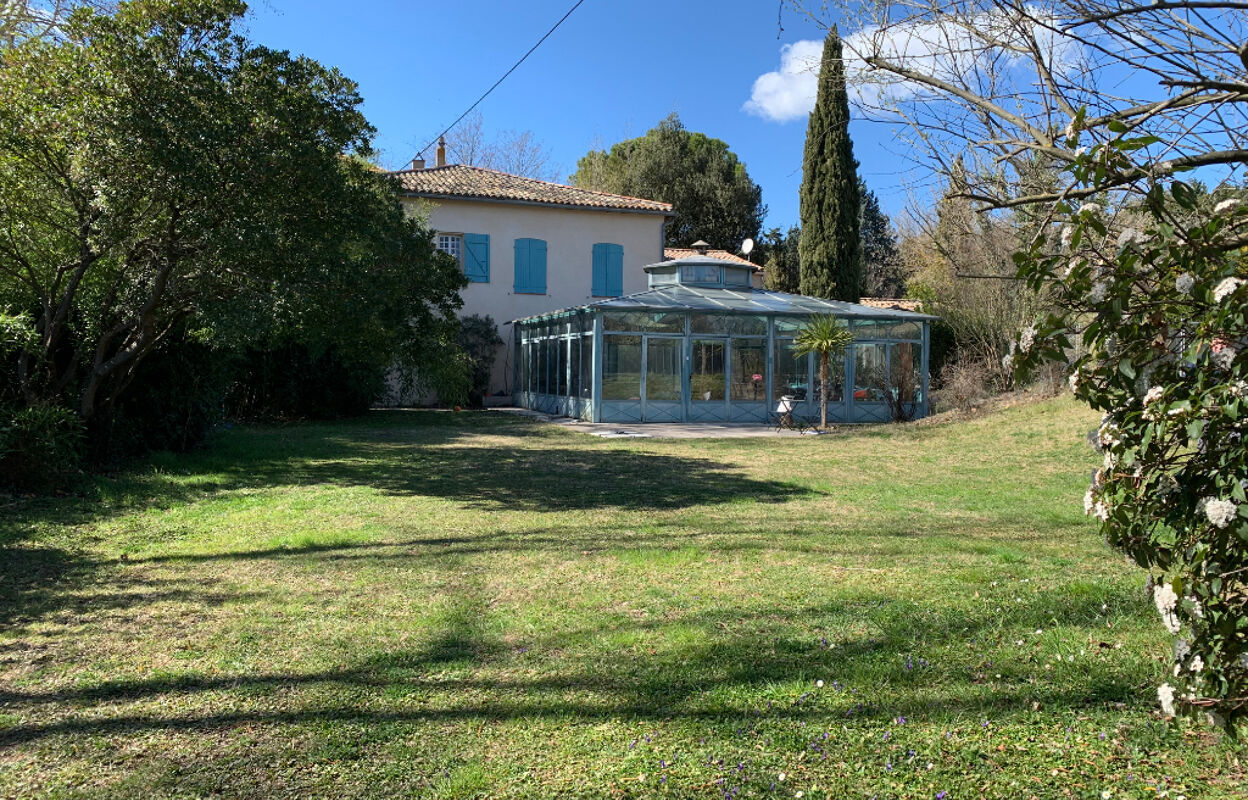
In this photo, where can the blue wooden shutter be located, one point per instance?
(600, 270)
(477, 257)
(615, 270)
(537, 266)
(522, 265)
(608, 270)
(530, 266)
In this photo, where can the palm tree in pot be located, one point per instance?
(828, 336)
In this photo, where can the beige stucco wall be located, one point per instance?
(570, 236)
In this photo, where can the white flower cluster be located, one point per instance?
(1165, 696)
(1184, 283)
(1089, 208)
(1108, 434)
(1224, 354)
(1131, 236)
(1074, 380)
(1226, 206)
(1067, 234)
(1166, 601)
(1226, 288)
(1239, 389)
(1099, 290)
(1092, 506)
(1028, 339)
(1219, 512)
(1151, 399)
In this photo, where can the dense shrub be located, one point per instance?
(294, 382)
(964, 384)
(1156, 295)
(40, 448)
(478, 336)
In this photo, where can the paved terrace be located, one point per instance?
(658, 430)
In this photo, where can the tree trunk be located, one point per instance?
(823, 391)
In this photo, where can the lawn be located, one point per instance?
(448, 605)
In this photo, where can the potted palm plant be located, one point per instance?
(828, 336)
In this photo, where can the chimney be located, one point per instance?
(418, 163)
(441, 162)
(701, 247)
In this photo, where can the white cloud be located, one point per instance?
(948, 49)
(788, 93)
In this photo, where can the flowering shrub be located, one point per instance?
(1161, 307)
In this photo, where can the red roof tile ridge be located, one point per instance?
(500, 173)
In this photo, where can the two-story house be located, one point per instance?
(529, 246)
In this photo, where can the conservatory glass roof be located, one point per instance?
(679, 297)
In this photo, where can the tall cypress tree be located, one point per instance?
(831, 247)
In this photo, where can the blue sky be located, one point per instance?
(611, 72)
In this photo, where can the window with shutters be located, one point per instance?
(453, 245)
(608, 278)
(471, 250)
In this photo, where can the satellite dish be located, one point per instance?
(747, 246)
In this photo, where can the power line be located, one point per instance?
(505, 74)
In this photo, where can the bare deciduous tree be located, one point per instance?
(514, 152)
(1004, 82)
(39, 19)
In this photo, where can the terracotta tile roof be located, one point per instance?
(673, 253)
(461, 180)
(890, 303)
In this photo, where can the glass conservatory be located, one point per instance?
(702, 345)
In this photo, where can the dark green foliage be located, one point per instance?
(39, 448)
(882, 272)
(831, 247)
(1160, 312)
(478, 336)
(943, 346)
(295, 382)
(165, 183)
(712, 194)
(782, 261)
(174, 400)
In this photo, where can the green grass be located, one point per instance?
(469, 605)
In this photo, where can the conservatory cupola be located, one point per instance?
(701, 270)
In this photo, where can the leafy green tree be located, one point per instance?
(712, 195)
(827, 336)
(164, 180)
(831, 246)
(781, 261)
(883, 274)
(478, 336)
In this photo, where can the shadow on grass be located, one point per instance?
(455, 457)
(722, 676)
(35, 580)
(398, 452)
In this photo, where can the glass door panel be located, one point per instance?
(663, 380)
(662, 370)
(749, 371)
(621, 371)
(708, 378)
